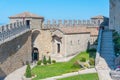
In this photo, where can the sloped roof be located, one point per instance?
(93, 31)
(78, 30)
(26, 15)
(98, 17)
(74, 30)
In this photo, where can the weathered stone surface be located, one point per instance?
(114, 22)
(15, 53)
(117, 61)
(42, 41)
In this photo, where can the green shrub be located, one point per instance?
(92, 50)
(44, 60)
(86, 65)
(39, 62)
(49, 60)
(53, 61)
(91, 61)
(76, 64)
(28, 71)
(83, 59)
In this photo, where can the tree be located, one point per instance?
(49, 60)
(28, 71)
(44, 60)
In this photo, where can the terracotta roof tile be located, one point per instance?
(75, 30)
(69, 30)
(93, 31)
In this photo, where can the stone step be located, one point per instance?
(105, 55)
(107, 46)
(107, 49)
(108, 37)
(107, 52)
(107, 34)
(105, 39)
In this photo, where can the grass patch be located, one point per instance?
(58, 68)
(92, 76)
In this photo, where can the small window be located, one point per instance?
(78, 41)
(71, 43)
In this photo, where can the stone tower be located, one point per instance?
(114, 23)
(31, 19)
(100, 20)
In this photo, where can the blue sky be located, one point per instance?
(55, 9)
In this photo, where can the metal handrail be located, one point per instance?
(98, 47)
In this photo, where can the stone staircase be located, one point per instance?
(106, 62)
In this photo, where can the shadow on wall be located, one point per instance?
(35, 34)
(2, 75)
(11, 47)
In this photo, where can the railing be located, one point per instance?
(12, 30)
(98, 47)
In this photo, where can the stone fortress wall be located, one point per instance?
(9, 31)
(15, 47)
(15, 38)
(114, 15)
(115, 20)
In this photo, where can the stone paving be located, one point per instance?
(18, 74)
(106, 63)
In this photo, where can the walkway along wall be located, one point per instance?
(15, 53)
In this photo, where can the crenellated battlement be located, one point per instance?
(69, 23)
(10, 30)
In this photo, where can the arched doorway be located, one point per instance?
(102, 27)
(35, 54)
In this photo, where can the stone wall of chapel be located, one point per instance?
(44, 43)
(76, 43)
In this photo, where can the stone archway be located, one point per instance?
(35, 33)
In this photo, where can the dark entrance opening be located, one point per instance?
(102, 27)
(28, 22)
(58, 48)
(35, 54)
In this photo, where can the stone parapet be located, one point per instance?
(69, 23)
(10, 30)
